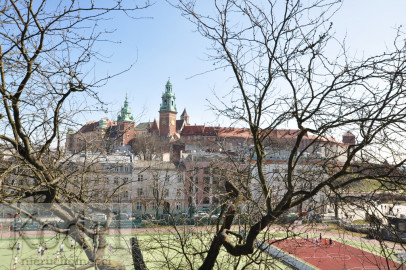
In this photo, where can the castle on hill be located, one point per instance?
(121, 134)
(107, 136)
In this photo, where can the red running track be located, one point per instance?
(336, 256)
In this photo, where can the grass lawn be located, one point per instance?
(160, 251)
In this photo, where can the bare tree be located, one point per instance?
(146, 147)
(47, 53)
(290, 71)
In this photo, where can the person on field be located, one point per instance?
(15, 263)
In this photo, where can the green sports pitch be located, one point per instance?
(161, 250)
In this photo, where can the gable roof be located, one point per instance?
(180, 124)
(89, 126)
(143, 126)
(216, 131)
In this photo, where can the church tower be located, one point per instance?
(167, 113)
(125, 126)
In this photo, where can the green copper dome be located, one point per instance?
(125, 114)
(103, 123)
(168, 99)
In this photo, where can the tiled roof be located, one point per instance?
(179, 124)
(234, 132)
(192, 130)
(216, 131)
(143, 126)
(89, 126)
(284, 133)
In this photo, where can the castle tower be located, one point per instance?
(185, 117)
(349, 138)
(167, 112)
(125, 113)
(125, 125)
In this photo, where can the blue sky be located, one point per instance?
(165, 45)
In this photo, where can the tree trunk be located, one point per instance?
(138, 259)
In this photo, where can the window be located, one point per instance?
(166, 194)
(139, 206)
(166, 178)
(128, 135)
(180, 178)
(206, 190)
(206, 170)
(140, 192)
(116, 180)
(126, 180)
(178, 206)
(125, 194)
(275, 170)
(206, 200)
(140, 177)
(206, 180)
(178, 192)
(196, 180)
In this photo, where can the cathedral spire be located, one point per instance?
(125, 113)
(168, 98)
(168, 86)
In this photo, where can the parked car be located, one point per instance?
(99, 217)
(200, 214)
(12, 214)
(146, 216)
(302, 214)
(122, 216)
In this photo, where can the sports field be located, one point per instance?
(336, 255)
(161, 250)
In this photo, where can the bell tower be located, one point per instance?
(167, 112)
